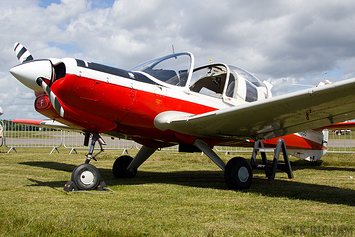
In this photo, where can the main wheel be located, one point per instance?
(86, 177)
(119, 168)
(238, 173)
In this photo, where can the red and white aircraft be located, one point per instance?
(167, 101)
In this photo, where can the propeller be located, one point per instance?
(22, 53)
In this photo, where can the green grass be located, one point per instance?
(174, 194)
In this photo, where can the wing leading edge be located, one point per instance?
(273, 117)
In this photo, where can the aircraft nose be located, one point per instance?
(28, 72)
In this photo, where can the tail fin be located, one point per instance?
(22, 53)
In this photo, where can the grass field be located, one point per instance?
(174, 194)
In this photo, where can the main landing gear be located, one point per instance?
(238, 172)
(126, 166)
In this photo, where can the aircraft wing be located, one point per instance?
(269, 118)
(46, 124)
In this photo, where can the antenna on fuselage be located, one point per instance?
(173, 50)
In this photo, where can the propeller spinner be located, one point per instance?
(32, 73)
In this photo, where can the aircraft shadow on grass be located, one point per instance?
(215, 180)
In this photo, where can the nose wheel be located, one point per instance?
(86, 177)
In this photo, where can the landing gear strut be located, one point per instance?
(87, 176)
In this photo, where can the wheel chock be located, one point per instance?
(102, 186)
(70, 186)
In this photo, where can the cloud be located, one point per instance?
(284, 42)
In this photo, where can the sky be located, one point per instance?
(292, 44)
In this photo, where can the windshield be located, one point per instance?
(173, 69)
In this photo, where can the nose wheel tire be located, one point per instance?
(86, 177)
(238, 173)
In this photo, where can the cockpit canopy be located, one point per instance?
(217, 80)
(173, 69)
(228, 82)
(255, 89)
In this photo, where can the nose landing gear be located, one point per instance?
(87, 176)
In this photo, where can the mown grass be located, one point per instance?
(174, 194)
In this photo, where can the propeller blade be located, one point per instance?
(53, 98)
(22, 53)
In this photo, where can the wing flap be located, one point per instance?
(269, 118)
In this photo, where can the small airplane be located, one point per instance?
(168, 101)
